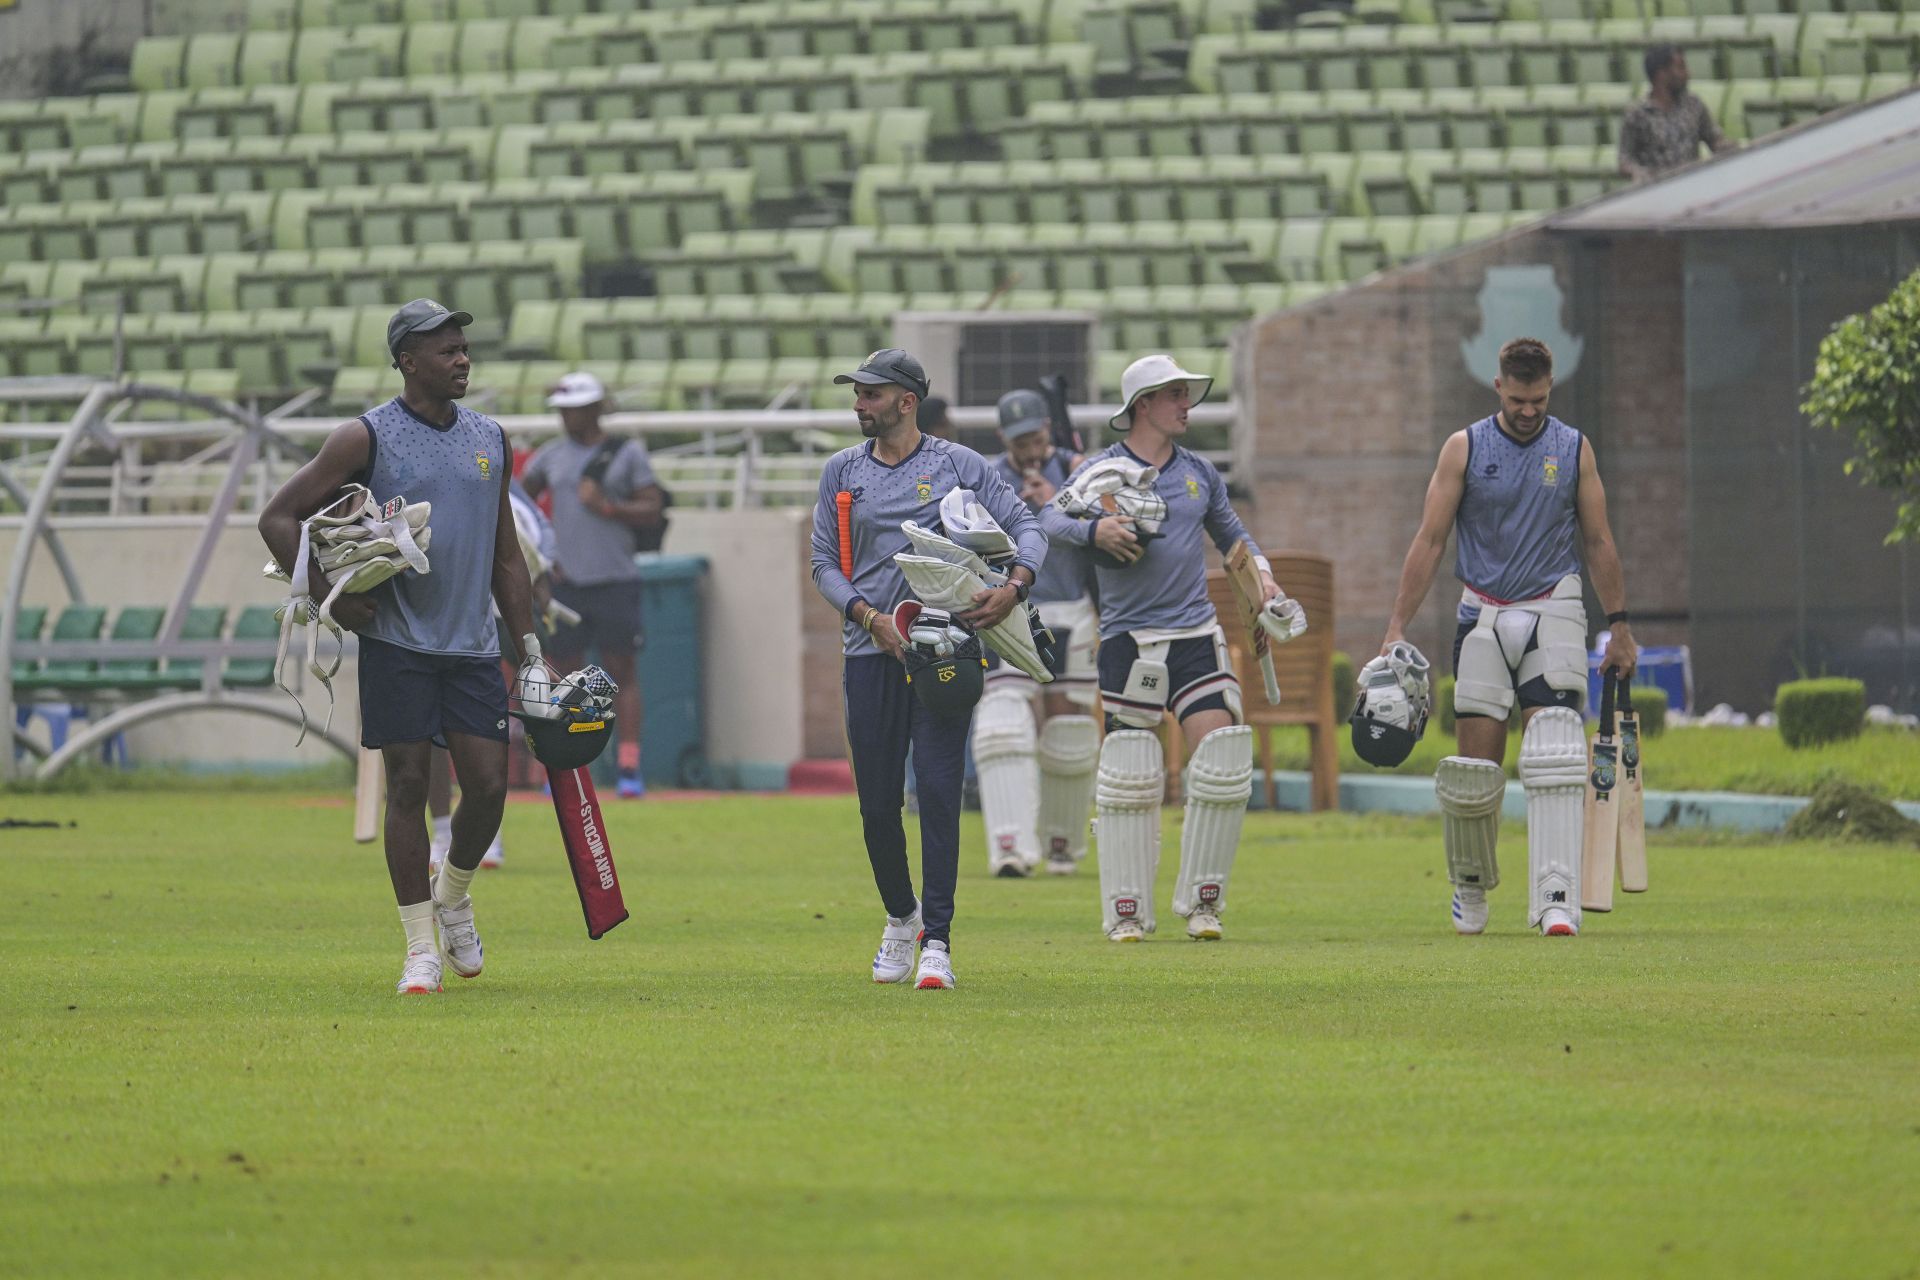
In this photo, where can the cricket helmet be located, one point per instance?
(571, 740)
(1394, 701)
(946, 666)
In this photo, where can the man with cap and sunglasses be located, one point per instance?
(1146, 507)
(429, 660)
(866, 493)
(1036, 780)
(603, 489)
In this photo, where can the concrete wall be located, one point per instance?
(755, 674)
(49, 46)
(1352, 396)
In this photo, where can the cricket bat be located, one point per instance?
(1633, 802)
(1244, 578)
(369, 783)
(1600, 844)
(583, 832)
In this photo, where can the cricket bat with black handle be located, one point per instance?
(369, 782)
(583, 831)
(1600, 844)
(1633, 801)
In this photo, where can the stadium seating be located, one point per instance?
(717, 203)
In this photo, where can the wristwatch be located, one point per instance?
(1020, 590)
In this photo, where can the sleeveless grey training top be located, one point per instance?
(1517, 528)
(459, 469)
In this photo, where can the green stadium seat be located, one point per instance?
(76, 622)
(158, 62)
(256, 622)
(212, 60)
(266, 57)
(28, 623)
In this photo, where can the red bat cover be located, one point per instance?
(584, 833)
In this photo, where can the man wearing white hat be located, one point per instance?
(1144, 507)
(604, 490)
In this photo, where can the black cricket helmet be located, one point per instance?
(946, 664)
(571, 740)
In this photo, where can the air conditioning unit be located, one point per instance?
(973, 358)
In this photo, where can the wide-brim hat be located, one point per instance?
(1150, 373)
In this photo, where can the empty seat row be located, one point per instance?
(269, 351)
(783, 19)
(489, 278)
(92, 678)
(616, 217)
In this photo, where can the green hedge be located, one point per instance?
(1815, 711)
(1344, 690)
(1651, 705)
(1443, 703)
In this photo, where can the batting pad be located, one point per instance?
(1470, 792)
(1003, 751)
(1553, 768)
(1069, 748)
(1127, 796)
(944, 585)
(1219, 782)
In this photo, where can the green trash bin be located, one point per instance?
(673, 734)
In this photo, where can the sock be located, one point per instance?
(417, 920)
(443, 830)
(629, 757)
(451, 884)
(936, 944)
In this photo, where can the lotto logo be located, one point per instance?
(1209, 893)
(1126, 908)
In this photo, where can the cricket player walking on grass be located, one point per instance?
(429, 645)
(1143, 508)
(866, 493)
(1522, 492)
(1036, 782)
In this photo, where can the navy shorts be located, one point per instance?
(1193, 667)
(609, 619)
(409, 696)
(1534, 693)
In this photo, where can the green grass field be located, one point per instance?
(206, 1072)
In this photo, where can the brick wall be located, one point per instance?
(1353, 395)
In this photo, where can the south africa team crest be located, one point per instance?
(1550, 471)
(1193, 487)
(924, 488)
(485, 464)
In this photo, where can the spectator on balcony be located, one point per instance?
(1665, 130)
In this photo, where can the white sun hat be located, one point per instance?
(575, 390)
(1150, 373)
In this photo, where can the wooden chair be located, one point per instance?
(1305, 669)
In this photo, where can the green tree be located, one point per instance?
(1866, 382)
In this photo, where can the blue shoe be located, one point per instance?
(631, 787)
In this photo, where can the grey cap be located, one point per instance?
(422, 315)
(890, 365)
(1022, 413)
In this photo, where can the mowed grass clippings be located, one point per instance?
(207, 1073)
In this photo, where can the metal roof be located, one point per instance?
(1856, 166)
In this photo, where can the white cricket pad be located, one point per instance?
(1003, 752)
(945, 584)
(1560, 639)
(1470, 793)
(1069, 748)
(1127, 796)
(1219, 783)
(1553, 768)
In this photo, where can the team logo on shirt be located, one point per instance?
(1193, 487)
(923, 486)
(486, 466)
(1550, 471)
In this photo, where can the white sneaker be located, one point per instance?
(936, 968)
(421, 974)
(1127, 931)
(1061, 864)
(1558, 923)
(893, 962)
(495, 856)
(1470, 909)
(1204, 926)
(458, 937)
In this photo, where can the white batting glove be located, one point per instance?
(1283, 619)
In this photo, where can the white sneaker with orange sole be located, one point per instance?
(421, 974)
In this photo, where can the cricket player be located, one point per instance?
(899, 475)
(1036, 784)
(429, 645)
(1153, 503)
(1522, 493)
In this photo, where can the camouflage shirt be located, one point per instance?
(1656, 140)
